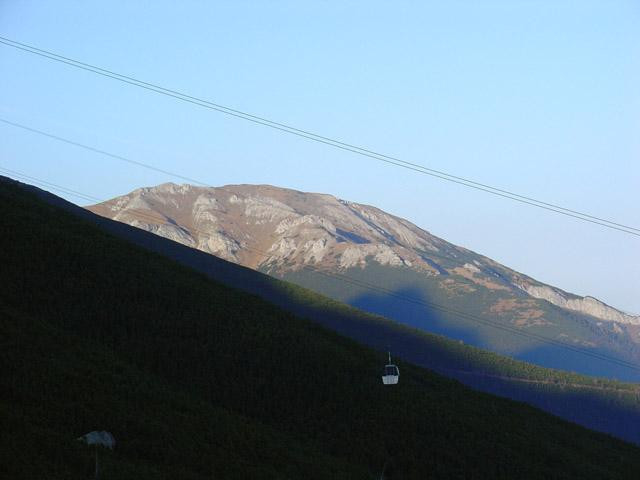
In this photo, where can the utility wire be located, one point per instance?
(322, 139)
(155, 219)
(59, 188)
(102, 152)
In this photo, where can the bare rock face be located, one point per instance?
(589, 305)
(281, 230)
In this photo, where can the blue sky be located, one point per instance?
(537, 97)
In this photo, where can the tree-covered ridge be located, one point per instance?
(462, 355)
(196, 380)
(412, 298)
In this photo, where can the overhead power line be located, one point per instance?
(154, 219)
(322, 139)
(102, 152)
(54, 186)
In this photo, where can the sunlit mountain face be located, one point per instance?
(384, 264)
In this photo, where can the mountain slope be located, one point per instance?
(284, 232)
(614, 409)
(198, 380)
(604, 405)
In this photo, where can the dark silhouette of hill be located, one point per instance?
(199, 380)
(608, 406)
(614, 409)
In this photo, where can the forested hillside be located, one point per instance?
(605, 405)
(198, 380)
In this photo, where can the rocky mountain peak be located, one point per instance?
(278, 229)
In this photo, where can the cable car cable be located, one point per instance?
(322, 139)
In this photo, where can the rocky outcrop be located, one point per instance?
(588, 305)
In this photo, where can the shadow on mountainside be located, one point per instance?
(414, 314)
(420, 316)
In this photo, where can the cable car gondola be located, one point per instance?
(391, 373)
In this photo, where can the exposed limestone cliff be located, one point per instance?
(589, 305)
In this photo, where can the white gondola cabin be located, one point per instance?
(391, 374)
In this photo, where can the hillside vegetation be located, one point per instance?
(605, 405)
(197, 380)
(412, 297)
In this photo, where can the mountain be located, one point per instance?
(608, 406)
(199, 380)
(386, 265)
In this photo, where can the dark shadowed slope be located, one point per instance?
(605, 405)
(198, 380)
